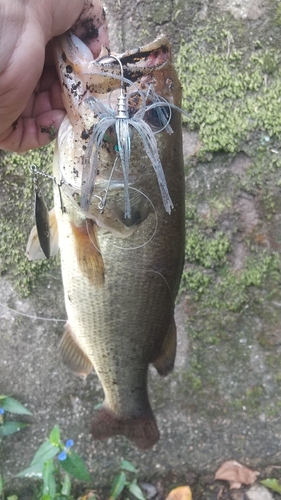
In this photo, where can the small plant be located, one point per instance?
(54, 463)
(8, 427)
(11, 405)
(126, 479)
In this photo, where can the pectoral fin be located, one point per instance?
(164, 363)
(88, 253)
(73, 356)
(34, 250)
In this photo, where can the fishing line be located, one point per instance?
(155, 228)
(141, 270)
(102, 203)
(90, 238)
(42, 318)
(136, 247)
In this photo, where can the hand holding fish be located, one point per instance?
(31, 107)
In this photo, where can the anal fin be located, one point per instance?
(72, 355)
(164, 363)
(87, 251)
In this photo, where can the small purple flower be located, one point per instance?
(2, 411)
(69, 443)
(62, 456)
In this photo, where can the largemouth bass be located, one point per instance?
(120, 215)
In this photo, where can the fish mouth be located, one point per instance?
(143, 60)
(136, 62)
(153, 54)
(102, 74)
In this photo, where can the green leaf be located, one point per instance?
(8, 428)
(118, 486)
(49, 486)
(13, 406)
(13, 497)
(55, 436)
(98, 405)
(45, 452)
(272, 484)
(136, 491)
(127, 466)
(1, 485)
(35, 470)
(75, 466)
(66, 485)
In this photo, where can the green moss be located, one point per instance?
(229, 93)
(263, 175)
(225, 289)
(273, 409)
(251, 401)
(17, 214)
(194, 382)
(277, 18)
(196, 281)
(208, 252)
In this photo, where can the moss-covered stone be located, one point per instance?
(229, 92)
(17, 214)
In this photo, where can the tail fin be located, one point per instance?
(142, 431)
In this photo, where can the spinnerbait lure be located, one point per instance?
(41, 216)
(123, 124)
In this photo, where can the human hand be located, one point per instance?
(31, 108)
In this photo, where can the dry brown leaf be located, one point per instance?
(236, 474)
(180, 493)
(89, 495)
